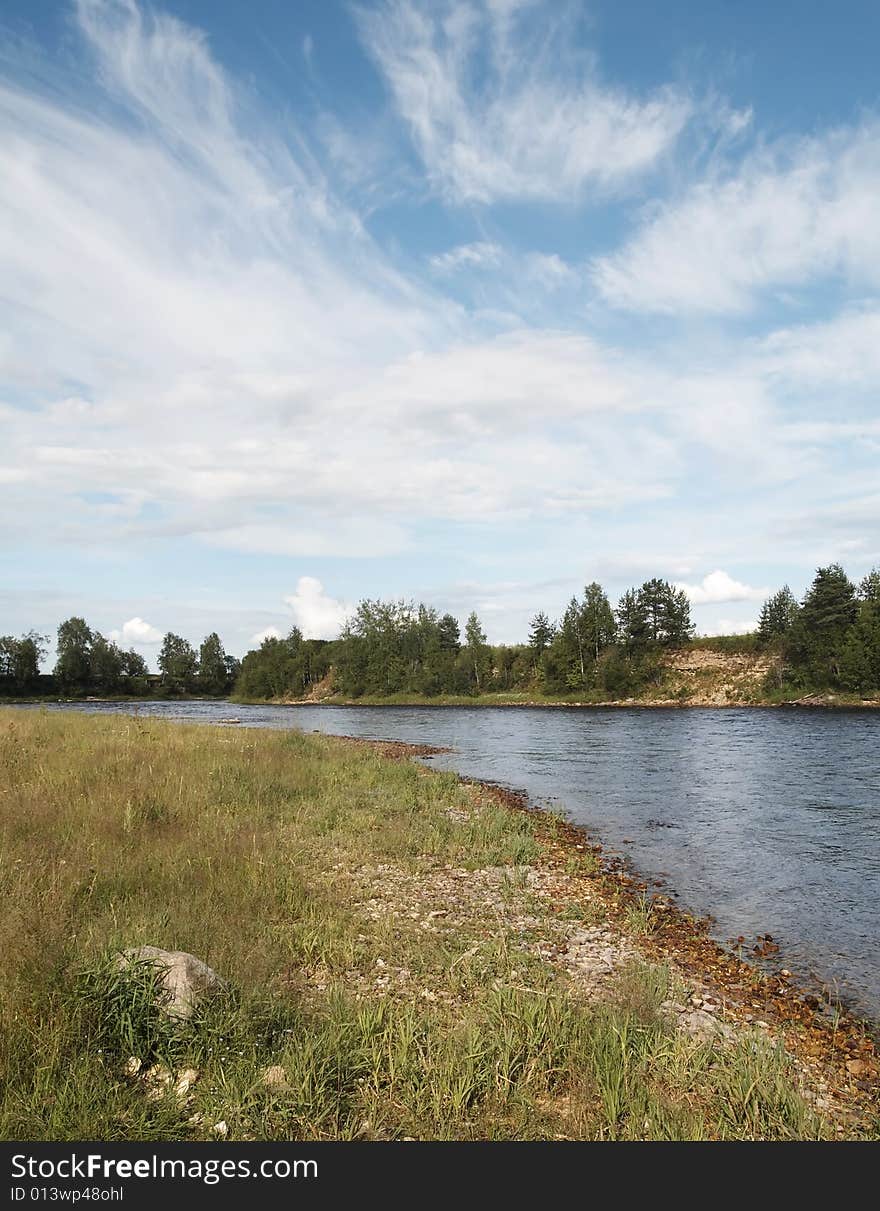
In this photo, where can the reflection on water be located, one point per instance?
(769, 820)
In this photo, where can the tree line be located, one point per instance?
(87, 663)
(392, 648)
(830, 639)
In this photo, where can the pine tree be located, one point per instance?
(869, 589)
(632, 620)
(779, 613)
(541, 634)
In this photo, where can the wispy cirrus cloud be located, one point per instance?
(479, 254)
(783, 217)
(500, 108)
(202, 343)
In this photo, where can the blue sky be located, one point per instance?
(472, 302)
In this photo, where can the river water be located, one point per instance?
(769, 820)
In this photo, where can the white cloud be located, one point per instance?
(499, 106)
(136, 632)
(718, 587)
(786, 216)
(317, 615)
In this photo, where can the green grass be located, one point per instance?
(258, 852)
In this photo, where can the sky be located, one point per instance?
(470, 302)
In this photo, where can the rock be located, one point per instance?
(221, 1129)
(858, 1068)
(185, 1082)
(275, 1077)
(185, 980)
(673, 1008)
(704, 1026)
(158, 1081)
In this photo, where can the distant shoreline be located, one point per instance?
(811, 702)
(807, 703)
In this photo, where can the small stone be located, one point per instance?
(703, 1026)
(671, 1007)
(275, 1076)
(857, 1067)
(133, 1065)
(185, 1082)
(221, 1129)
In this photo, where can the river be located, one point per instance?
(769, 820)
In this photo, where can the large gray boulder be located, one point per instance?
(185, 980)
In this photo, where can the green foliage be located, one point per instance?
(20, 661)
(816, 639)
(625, 673)
(133, 664)
(587, 629)
(282, 668)
(400, 649)
(657, 614)
(541, 635)
(394, 647)
(779, 614)
(106, 664)
(213, 672)
(178, 664)
(120, 1006)
(859, 660)
(74, 650)
(479, 656)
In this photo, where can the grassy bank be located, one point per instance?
(402, 958)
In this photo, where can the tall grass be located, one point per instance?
(238, 846)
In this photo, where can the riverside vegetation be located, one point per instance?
(828, 643)
(405, 956)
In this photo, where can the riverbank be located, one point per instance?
(477, 701)
(695, 676)
(407, 955)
